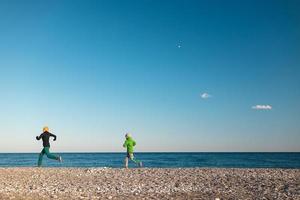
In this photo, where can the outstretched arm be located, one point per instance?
(39, 137)
(53, 136)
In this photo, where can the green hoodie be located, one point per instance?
(129, 144)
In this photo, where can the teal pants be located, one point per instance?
(48, 154)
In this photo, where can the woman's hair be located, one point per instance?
(45, 129)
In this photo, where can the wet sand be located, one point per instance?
(148, 183)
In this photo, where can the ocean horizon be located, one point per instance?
(288, 160)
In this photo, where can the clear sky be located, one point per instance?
(178, 75)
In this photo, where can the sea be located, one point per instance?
(159, 160)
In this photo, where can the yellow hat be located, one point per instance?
(45, 129)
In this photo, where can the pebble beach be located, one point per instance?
(149, 183)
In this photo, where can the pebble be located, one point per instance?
(147, 183)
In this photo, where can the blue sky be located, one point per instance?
(94, 70)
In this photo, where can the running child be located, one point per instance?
(129, 144)
(45, 136)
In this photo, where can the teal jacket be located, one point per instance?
(129, 144)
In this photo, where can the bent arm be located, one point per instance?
(125, 144)
(53, 136)
(39, 137)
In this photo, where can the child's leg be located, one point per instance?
(49, 155)
(126, 162)
(41, 158)
(131, 156)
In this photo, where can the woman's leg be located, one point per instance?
(41, 158)
(50, 155)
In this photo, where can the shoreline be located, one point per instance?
(148, 183)
(154, 168)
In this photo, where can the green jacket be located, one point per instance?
(129, 144)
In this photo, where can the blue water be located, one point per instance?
(161, 160)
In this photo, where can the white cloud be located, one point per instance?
(205, 95)
(262, 107)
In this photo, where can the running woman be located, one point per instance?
(45, 137)
(129, 144)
